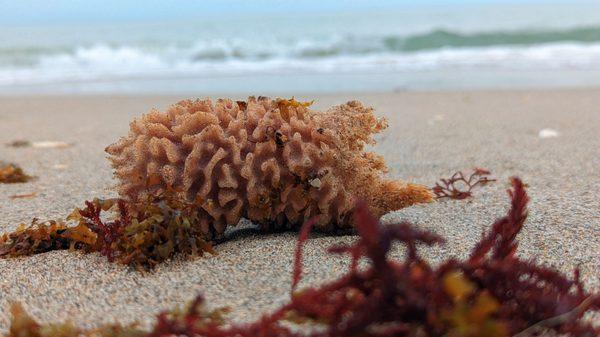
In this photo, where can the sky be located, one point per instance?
(31, 12)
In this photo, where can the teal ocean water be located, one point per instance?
(420, 49)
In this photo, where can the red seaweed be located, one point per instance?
(459, 187)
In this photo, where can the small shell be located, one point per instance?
(315, 183)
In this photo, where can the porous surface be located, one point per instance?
(274, 162)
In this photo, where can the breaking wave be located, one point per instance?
(437, 49)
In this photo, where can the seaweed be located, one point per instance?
(12, 174)
(19, 143)
(459, 187)
(146, 234)
(491, 293)
(139, 234)
(285, 104)
(44, 237)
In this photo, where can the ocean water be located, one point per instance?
(434, 48)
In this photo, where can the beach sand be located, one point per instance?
(430, 135)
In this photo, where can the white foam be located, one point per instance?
(105, 63)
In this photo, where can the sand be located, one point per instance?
(430, 135)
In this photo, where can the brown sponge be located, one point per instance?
(274, 162)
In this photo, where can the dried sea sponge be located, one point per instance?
(275, 162)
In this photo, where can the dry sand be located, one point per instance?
(430, 135)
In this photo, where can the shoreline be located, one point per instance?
(327, 96)
(311, 83)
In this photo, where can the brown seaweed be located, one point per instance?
(140, 235)
(12, 174)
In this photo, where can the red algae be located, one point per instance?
(459, 186)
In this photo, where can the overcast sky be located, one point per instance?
(29, 12)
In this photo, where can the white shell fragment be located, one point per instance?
(316, 183)
(548, 133)
(50, 144)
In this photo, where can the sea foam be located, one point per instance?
(336, 53)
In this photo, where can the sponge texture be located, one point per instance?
(275, 162)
